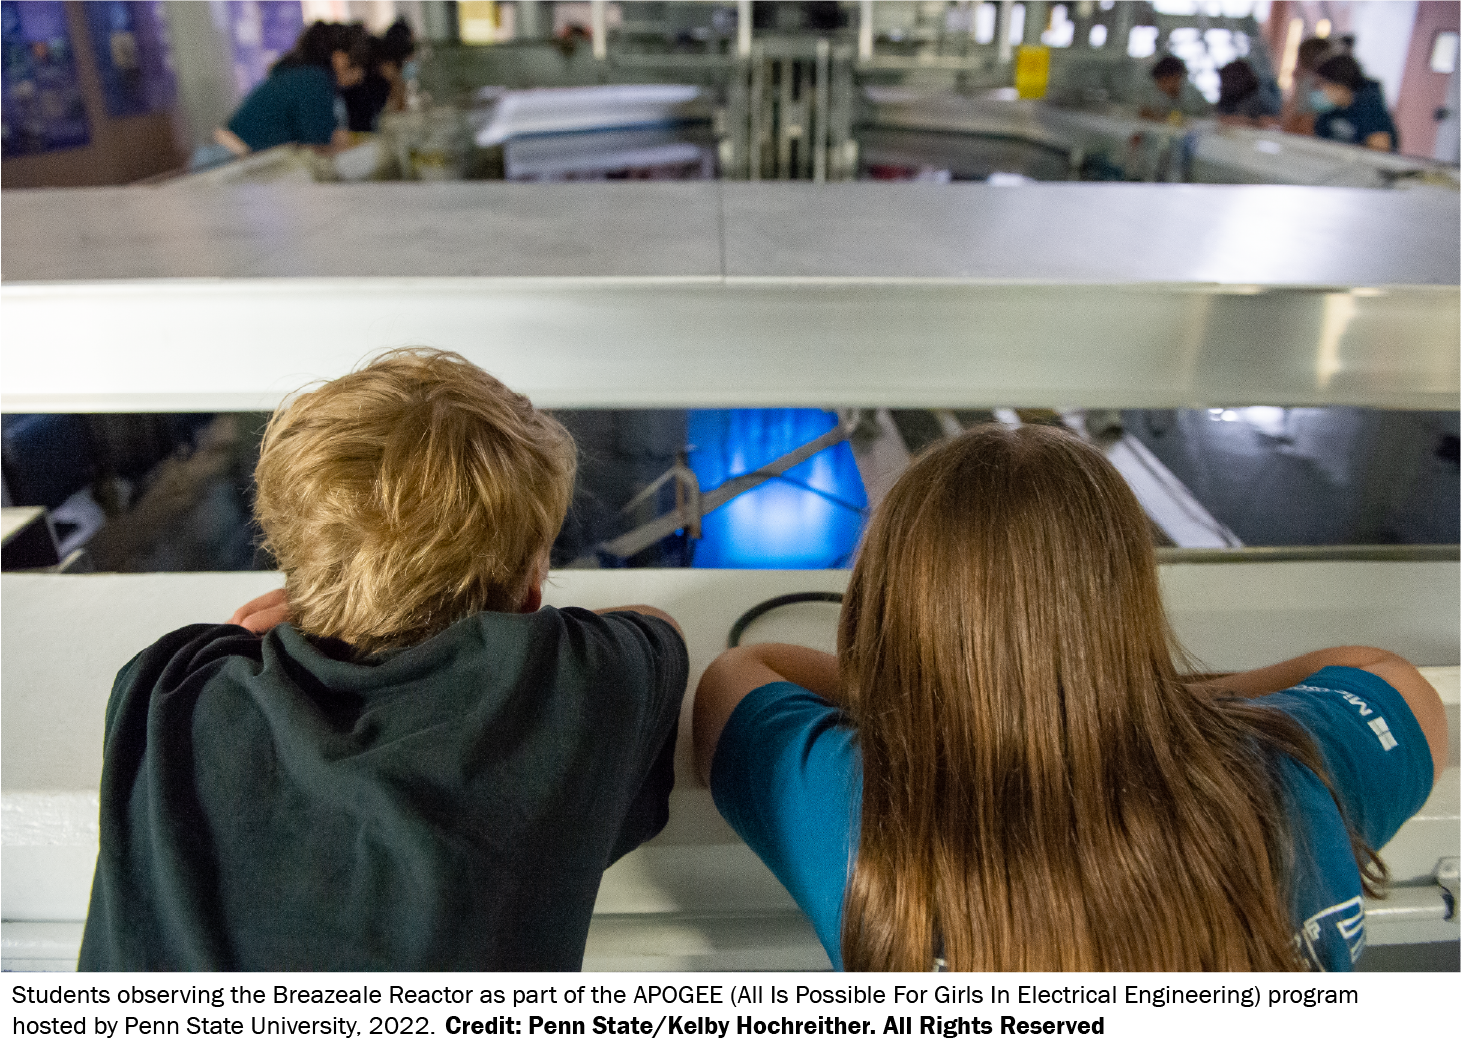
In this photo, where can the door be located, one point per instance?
(1429, 67)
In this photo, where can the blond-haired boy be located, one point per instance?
(423, 767)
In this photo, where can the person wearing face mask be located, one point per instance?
(298, 102)
(1298, 115)
(1351, 107)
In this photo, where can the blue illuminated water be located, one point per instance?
(810, 518)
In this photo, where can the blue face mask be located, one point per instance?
(409, 70)
(1319, 102)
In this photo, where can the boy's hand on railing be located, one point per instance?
(263, 613)
(644, 610)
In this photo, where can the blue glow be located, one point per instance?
(780, 523)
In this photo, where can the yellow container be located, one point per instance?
(1032, 71)
(478, 21)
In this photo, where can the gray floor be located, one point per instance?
(1444, 956)
(1314, 476)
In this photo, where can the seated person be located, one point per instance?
(416, 764)
(297, 102)
(1243, 98)
(383, 89)
(1170, 94)
(1298, 114)
(1351, 107)
(1002, 769)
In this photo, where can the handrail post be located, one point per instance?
(1121, 32)
(599, 28)
(1037, 17)
(530, 20)
(824, 108)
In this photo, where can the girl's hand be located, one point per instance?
(263, 613)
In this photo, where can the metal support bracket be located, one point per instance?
(1448, 875)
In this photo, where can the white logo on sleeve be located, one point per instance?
(1377, 724)
(1347, 919)
(1383, 731)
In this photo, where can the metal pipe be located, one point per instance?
(1171, 555)
(599, 27)
(1002, 31)
(865, 31)
(738, 118)
(440, 22)
(757, 102)
(529, 20)
(823, 88)
(204, 71)
(1125, 13)
(784, 119)
(1421, 903)
(1037, 17)
(743, 28)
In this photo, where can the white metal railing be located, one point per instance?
(599, 28)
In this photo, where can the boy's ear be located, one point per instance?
(534, 598)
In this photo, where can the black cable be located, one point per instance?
(755, 612)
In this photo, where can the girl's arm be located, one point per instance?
(1424, 701)
(231, 142)
(738, 671)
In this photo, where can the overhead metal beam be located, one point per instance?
(679, 295)
(245, 345)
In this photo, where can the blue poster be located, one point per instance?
(133, 56)
(40, 98)
(259, 32)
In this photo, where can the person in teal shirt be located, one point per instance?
(1003, 769)
(1351, 107)
(298, 101)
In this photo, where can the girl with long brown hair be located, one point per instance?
(1002, 767)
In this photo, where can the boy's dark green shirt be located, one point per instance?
(450, 806)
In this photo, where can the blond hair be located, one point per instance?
(408, 494)
(1041, 789)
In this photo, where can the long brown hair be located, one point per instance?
(1041, 789)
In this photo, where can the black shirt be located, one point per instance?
(365, 102)
(1356, 122)
(452, 805)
